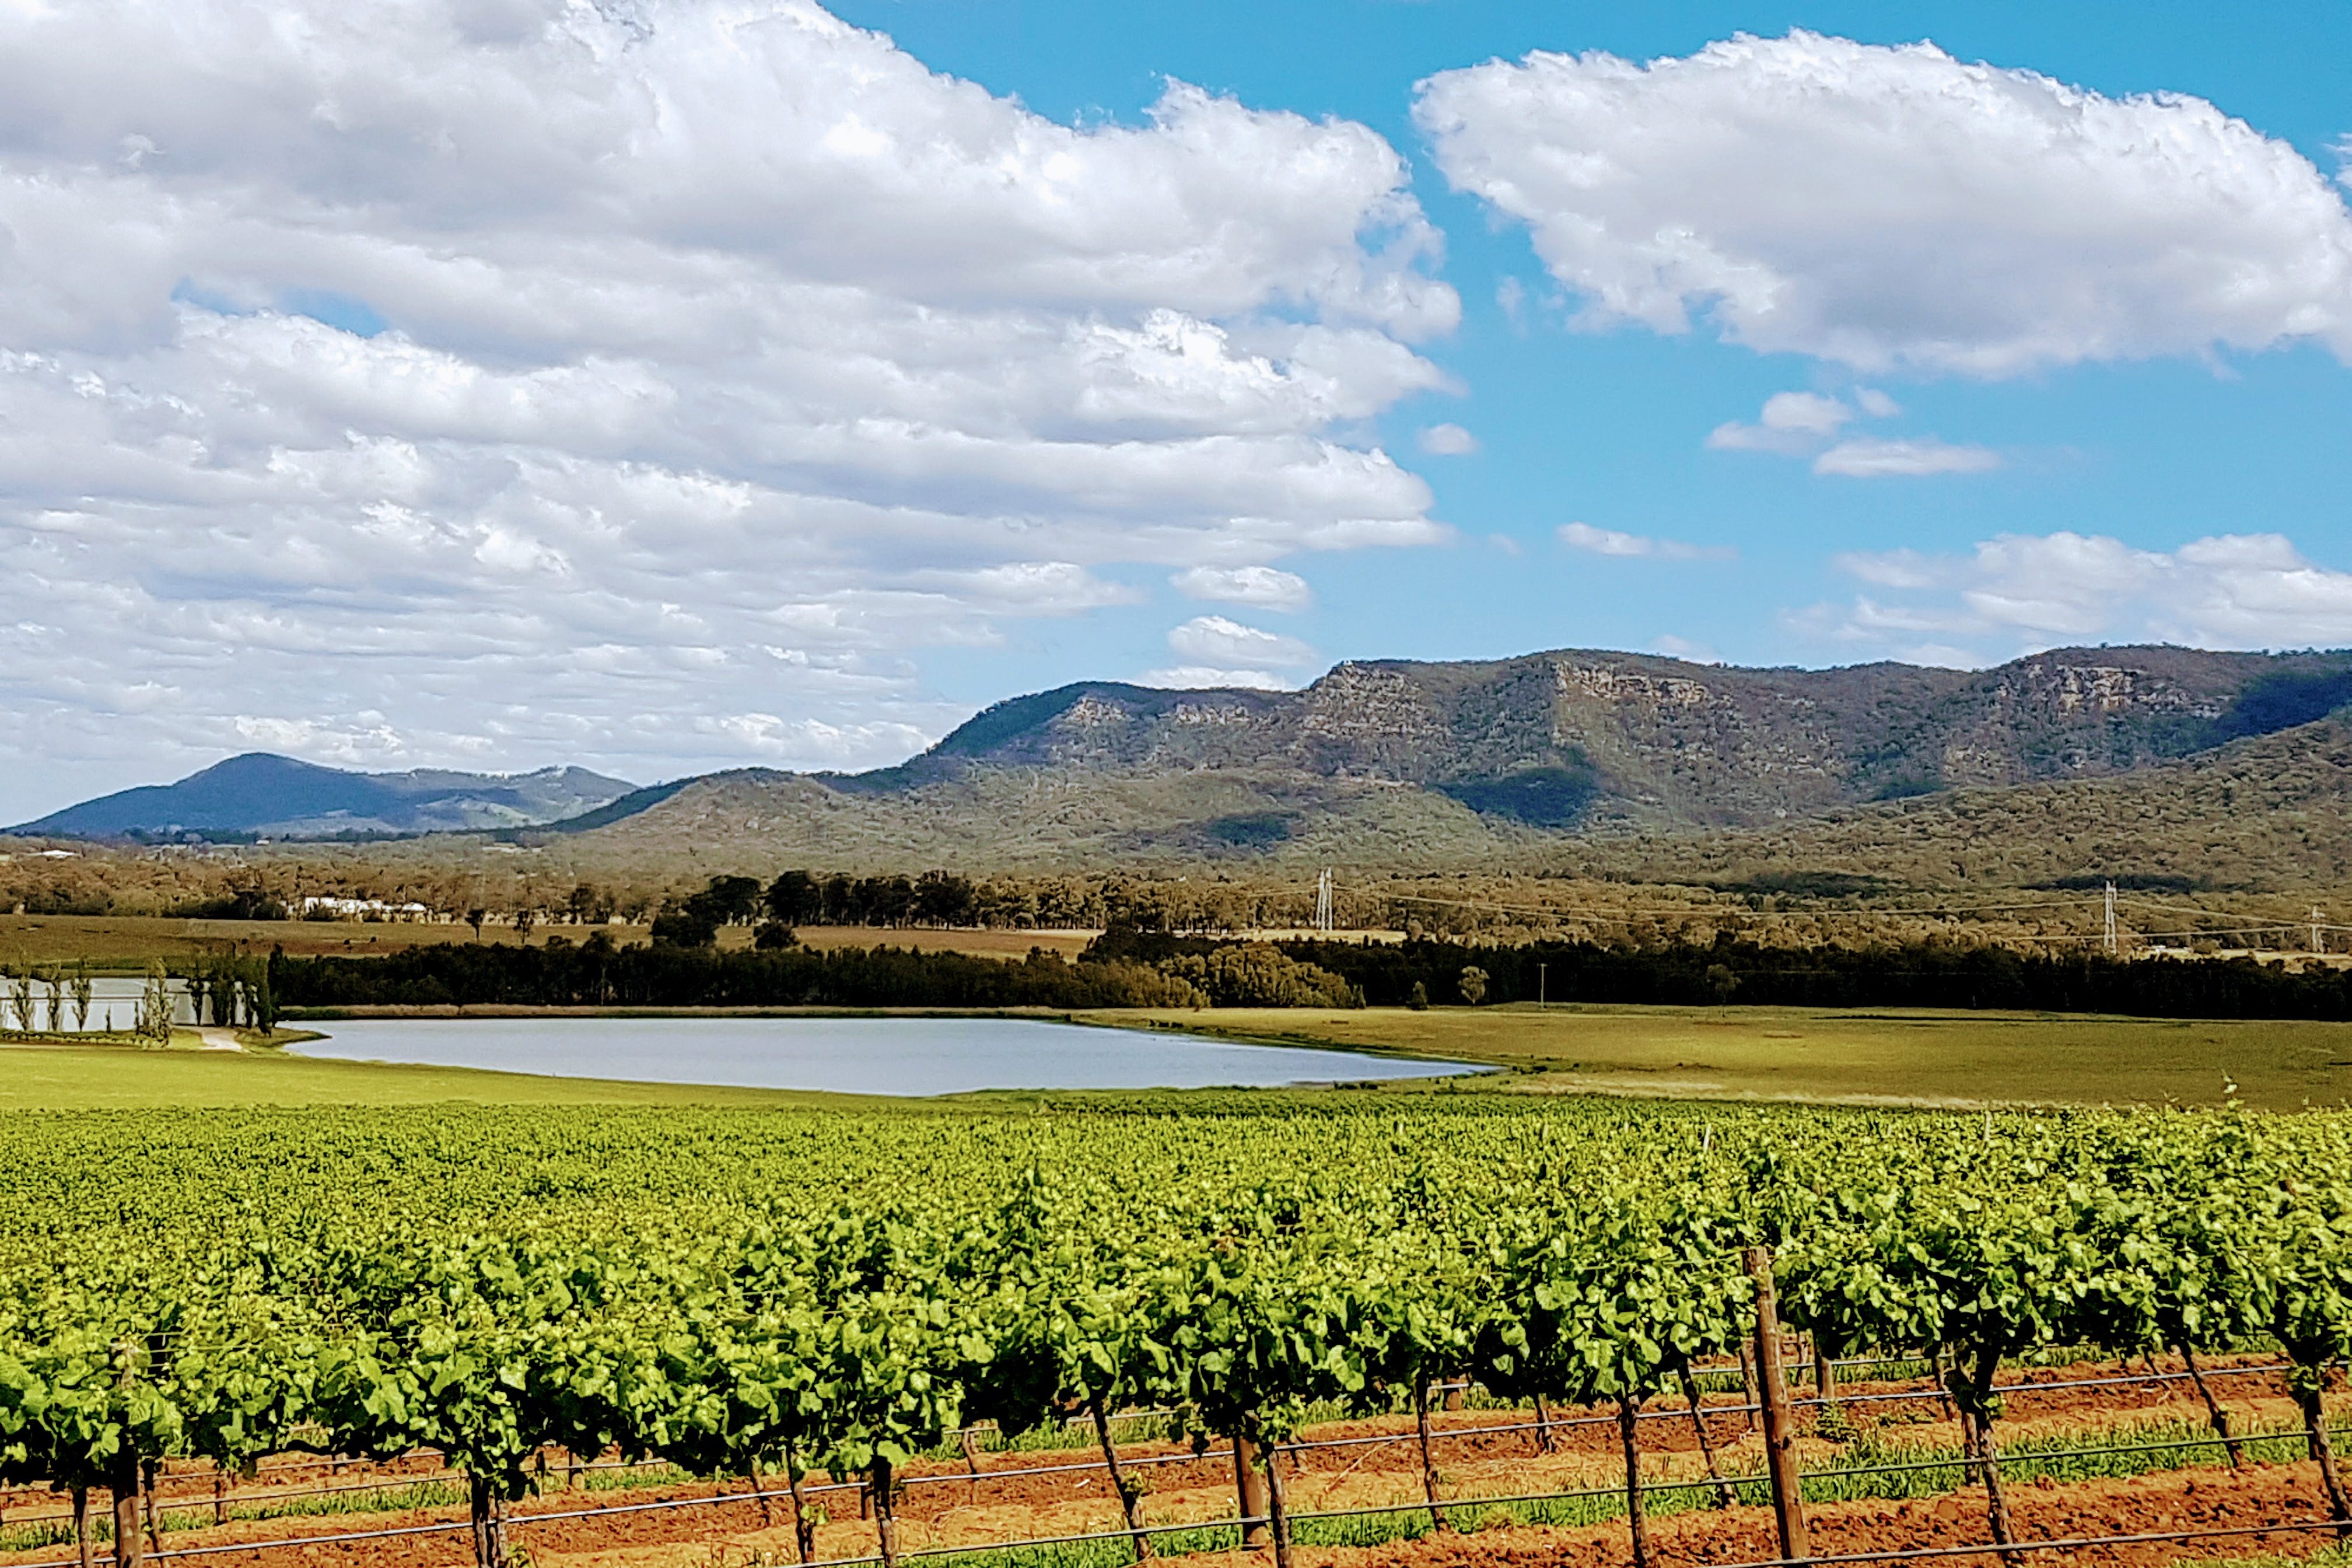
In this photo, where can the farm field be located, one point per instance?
(1833, 1056)
(128, 942)
(2094, 1459)
(978, 942)
(100, 1077)
(463, 1300)
(1792, 1055)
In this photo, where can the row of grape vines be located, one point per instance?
(734, 1293)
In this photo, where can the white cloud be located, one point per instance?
(2018, 592)
(1261, 587)
(1512, 296)
(1894, 207)
(1201, 678)
(1796, 422)
(1036, 588)
(1791, 422)
(1684, 648)
(1609, 541)
(1448, 441)
(805, 743)
(1865, 460)
(1214, 641)
(732, 360)
(368, 741)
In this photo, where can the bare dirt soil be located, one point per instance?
(1370, 1464)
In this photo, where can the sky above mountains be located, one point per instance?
(662, 386)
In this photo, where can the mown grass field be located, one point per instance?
(91, 1077)
(1948, 1060)
(1824, 1056)
(128, 942)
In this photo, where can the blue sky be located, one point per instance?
(1607, 427)
(697, 384)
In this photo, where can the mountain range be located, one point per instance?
(262, 795)
(1418, 764)
(1406, 764)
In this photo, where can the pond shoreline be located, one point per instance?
(528, 1010)
(909, 1052)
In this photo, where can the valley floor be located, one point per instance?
(1831, 1056)
(1795, 1055)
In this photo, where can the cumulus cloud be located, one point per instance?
(2018, 592)
(1215, 640)
(1203, 678)
(1894, 207)
(1610, 541)
(1875, 460)
(1791, 422)
(1214, 650)
(1685, 649)
(803, 742)
(1036, 587)
(1448, 441)
(546, 381)
(1261, 587)
(1796, 422)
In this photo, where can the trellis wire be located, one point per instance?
(1015, 1472)
(1237, 1521)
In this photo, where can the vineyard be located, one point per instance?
(1104, 1330)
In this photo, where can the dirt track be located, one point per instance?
(2263, 1495)
(1479, 1453)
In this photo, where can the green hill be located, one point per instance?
(1578, 757)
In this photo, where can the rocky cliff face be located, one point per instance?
(1658, 737)
(1494, 752)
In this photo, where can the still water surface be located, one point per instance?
(850, 1055)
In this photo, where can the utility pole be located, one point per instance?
(2318, 937)
(1323, 901)
(1542, 1000)
(2111, 920)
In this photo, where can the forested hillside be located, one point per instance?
(1404, 764)
(2271, 813)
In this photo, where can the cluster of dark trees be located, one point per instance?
(933, 899)
(1129, 968)
(1910, 975)
(244, 902)
(805, 897)
(598, 973)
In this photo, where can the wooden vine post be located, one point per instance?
(124, 1475)
(128, 1552)
(1629, 1414)
(1428, 1470)
(803, 1522)
(1249, 1480)
(1779, 1424)
(879, 1483)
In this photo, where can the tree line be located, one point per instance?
(1924, 974)
(600, 973)
(1132, 969)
